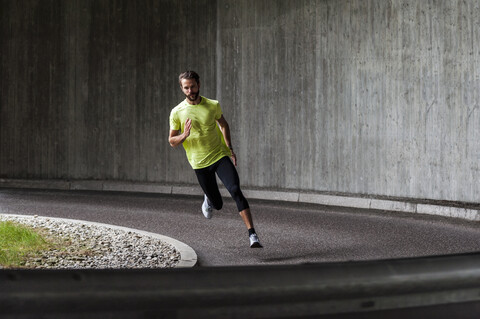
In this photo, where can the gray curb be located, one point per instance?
(188, 257)
(287, 196)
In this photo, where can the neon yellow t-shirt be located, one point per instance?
(206, 144)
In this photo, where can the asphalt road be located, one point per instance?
(291, 233)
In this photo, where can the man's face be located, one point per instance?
(190, 88)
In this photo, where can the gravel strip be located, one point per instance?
(95, 246)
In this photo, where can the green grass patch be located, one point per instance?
(18, 243)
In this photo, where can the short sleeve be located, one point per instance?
(174, 122)
(218, 112)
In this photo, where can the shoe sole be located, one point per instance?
(256, 245)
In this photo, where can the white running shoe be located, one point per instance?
(254, 242)
(206, 209)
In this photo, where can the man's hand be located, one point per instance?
(233, 157)
(188, 126)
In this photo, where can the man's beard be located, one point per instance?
(193, 97)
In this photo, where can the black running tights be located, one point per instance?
(228, 175)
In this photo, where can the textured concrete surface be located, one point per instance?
(363, 97)
(292, 233)
(438, 208)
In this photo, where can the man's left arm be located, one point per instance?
(223, 124)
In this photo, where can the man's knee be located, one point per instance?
(235, 191)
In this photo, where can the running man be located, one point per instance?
(193, 123)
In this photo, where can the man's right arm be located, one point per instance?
(175, 138)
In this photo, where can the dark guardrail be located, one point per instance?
(431, 287)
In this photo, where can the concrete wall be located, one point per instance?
(363, 97)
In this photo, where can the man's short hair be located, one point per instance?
(189, 75)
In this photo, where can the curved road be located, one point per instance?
(291, 233)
